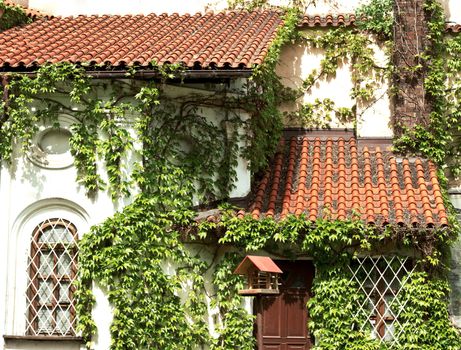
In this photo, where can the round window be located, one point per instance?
(51, 145)
(55, 141)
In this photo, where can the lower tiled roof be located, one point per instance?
(237, 39)
(335, 178)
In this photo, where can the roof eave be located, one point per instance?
(155, 74)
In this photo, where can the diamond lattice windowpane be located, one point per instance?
(64, 264)
(64, 292)
(389, 304)
(46, 263)
(380, 281)
(45, 292)
(52, 270)
(44, 321)
(389, 333)
(63, 321)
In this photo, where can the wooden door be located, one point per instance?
(281, 322)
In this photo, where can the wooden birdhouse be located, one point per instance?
(262, 275)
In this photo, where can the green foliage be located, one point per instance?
(127, 256)
(183, 155)
(339, 47)
(333, 311)
(425, 319)
(319, 239)
(265, 94)
(335, 323)
(439, 140)
(376, 17)
(237, 325)
(105, 109)
(320, 113)
(12, 16)
(251, 5)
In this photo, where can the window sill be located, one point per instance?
(60, 338)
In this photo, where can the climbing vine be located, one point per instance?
(11, 16)
(265, 94)
(333, 245)
(439, 139)
(151, 258)
(340, 47)
(251, 5)
(180, 157)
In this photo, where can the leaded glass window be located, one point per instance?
(52, 269)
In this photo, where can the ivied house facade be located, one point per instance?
(161, 150)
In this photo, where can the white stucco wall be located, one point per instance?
(299, 60)
(452, 10)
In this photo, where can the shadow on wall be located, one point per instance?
(455, 282)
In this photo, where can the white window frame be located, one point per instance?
(18, 252)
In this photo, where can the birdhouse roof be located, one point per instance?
(262, 263)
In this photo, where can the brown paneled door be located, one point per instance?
(281, 320)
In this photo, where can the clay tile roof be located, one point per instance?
(237, 39)
(337, 20)
(328, 20)
(453, 28)
(336, 179)
(34, 14)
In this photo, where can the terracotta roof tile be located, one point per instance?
(333, 178)
(453, 28)
(328, 20)
(238, 39)
(337, 20)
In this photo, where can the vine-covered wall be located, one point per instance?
(181, 155)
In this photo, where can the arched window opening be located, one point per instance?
(52, 269)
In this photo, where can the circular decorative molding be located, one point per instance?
(50, 146)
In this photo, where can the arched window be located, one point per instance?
(52, 269)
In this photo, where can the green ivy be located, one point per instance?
(12, 16)
(334, 322)
(236, 331)
(342, 46)
(376, 17)
(333, 310)
(439, 140)
(425, 318)
(265, 94)
(127, 254)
